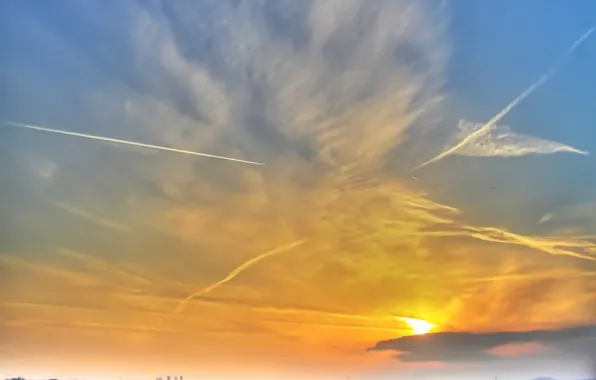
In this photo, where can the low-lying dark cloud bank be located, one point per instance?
(467, 346)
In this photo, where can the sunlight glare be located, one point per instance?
(418, 326)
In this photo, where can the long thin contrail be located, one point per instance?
(109, 139)
(237, 271)
(488, 125)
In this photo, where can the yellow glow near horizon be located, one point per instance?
(418, 326)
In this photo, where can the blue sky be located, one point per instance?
(499, 50)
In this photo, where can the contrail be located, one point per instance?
(237, 271)
(109, 139)
(488, 125)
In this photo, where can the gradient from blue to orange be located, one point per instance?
(340, 99)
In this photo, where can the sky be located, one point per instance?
(394, 159)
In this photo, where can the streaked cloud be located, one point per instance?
(502, 142)
(241, 268)
(566, 213)
(125, 142)
(489, 125)
(93, 218)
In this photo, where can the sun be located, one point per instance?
(418, 326)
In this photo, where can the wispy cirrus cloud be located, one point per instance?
(480, 132)
(93, 218)
(502, 142)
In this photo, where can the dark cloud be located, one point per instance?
(467, 346)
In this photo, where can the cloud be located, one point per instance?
(93, 218)
(489, 125)
(566, 213)
(464, 346)
(114, 271)
(500, 141)
(44, 169)
(125, 142)
(15, 265)
(241, 268)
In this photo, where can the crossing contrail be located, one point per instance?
(126, 142)
(237, 271)
(488, 125)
